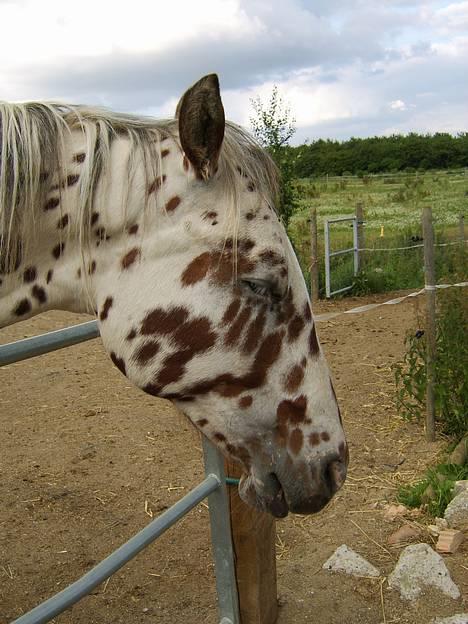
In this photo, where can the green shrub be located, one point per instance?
(441, 480)
(451, 383)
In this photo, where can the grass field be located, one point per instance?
(392, 207)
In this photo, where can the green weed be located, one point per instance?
(441, 480)
(451, 382)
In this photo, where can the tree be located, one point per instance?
(273, 126)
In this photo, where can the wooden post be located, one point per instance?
(429, 273)
(360, 229)
(461, 226)
(314, 266)
(253, 536)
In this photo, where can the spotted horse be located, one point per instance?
(167, 231)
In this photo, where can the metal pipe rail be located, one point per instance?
(84, 585)
(213, 486)
(44, 343)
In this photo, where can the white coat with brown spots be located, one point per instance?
(167, 232)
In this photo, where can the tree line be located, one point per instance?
(393, 153)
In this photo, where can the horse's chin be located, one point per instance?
(266, 495)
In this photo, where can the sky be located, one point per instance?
(345, 68)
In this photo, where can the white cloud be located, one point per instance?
(344, 68)
(398, 105)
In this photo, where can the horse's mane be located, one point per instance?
(34, 154)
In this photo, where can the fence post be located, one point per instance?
(360, 229)
(253, 536)
(429, 274)
(314, 266)
(461, 226)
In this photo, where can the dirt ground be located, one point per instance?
(84, 457)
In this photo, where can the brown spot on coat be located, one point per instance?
(295, 327)
(313, 342)
(173, 203)
(156, 184)
(105, 308)
(130, 258)
(39, 293)
(49, 276)
(195, 335)
(314, 439)
(201, 422)
(133, 229)
(231, 311)
(173, 368)
(255, 332)
(94, 218)
(72, 179)
(57, 251)
(29, 275)
(146, 352)
(325, 436)
(52, 203)
(210, 215)
(92, 267)
(245, 401)
(161, 321)
(23, 307)
(131, 334)
(293, 412)
(296, 441)
(196, 270)
(119, 362)
(164, 153)
(307, 312)
(219, 437)
(63, 222)
(79, 158)
(294, 378)
(237, 327)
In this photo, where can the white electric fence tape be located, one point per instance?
(370, 306)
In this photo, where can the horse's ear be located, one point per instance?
(201, 125)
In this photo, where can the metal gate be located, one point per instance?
(330, 254)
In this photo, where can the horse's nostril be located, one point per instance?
(334, 474)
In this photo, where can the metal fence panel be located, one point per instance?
(330, 254)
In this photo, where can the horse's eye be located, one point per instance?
(262, 288)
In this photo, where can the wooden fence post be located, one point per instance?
(314, 263)
(429, 274)
(461, 227)
(360, 229)
(253, 536)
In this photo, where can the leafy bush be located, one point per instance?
(451, 383)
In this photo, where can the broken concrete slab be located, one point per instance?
(456, 512)
(346, 560)
(418, 566)
(460, 618)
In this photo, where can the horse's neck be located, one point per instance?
(57, 267)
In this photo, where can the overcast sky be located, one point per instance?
(346, 68)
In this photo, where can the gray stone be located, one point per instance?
(456, 512)
(460, 618)
(344, 559)
(418, 566)
(459, 487)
